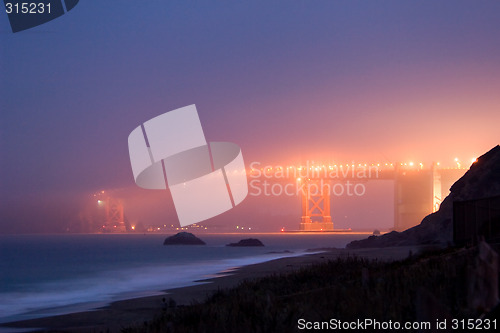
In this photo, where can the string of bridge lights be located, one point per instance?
(458, 164)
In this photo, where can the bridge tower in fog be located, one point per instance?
(413, 196)
(419, 192)
(316, 205)
(115, 221)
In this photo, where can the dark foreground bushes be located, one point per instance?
(434, 285)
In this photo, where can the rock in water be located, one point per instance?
(480, 181)
(183, 238)
(247, 242)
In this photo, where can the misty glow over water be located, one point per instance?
(43, 275)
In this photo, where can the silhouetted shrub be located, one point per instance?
(335, 289)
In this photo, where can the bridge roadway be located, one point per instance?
(418, 191)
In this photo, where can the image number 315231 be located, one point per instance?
(24, 14)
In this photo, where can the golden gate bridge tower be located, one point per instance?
(316, 205)
(114, 219)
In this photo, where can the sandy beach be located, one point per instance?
(121, 314)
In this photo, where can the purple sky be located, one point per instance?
(285, 80)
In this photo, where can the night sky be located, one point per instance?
(288, 81)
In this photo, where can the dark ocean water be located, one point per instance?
(43, 275)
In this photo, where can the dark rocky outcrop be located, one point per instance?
(183, 238)
(247, 242)
(482, 180)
